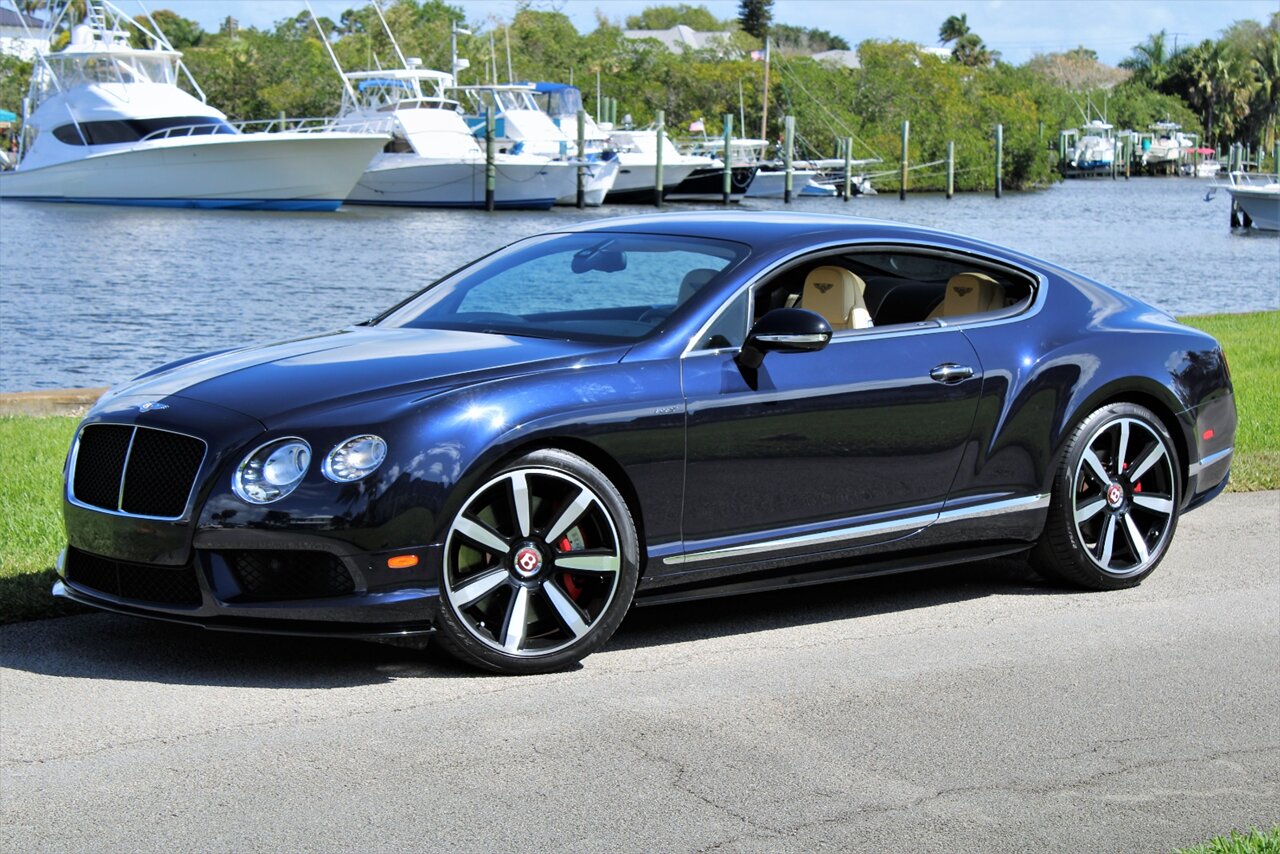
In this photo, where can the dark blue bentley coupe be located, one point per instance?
(647, 409)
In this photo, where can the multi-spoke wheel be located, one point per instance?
(540, 565)
(1115, 501)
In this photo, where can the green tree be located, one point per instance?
(805, 39)
(665, 17)
(755, 16)
(180, 32)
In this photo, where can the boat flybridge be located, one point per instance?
(434, 159)
(107, 123)
(522, 127)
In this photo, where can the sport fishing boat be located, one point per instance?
(1257, 197)
(638, 161)
(106, 123)
(434, 159)
(561, 102)
(1096, 148)
(522, 128)
(1168, 147)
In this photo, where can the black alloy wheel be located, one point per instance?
(1115, 501)
(540, 566)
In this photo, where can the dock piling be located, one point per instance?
(951, 168)
(902, 184)
(789, 131)
(999, 161)
(490, 169)
(658, 185)
(727, 189)
(582, 158)
(848, 167)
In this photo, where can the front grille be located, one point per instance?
(163, 585)
(136, 470)
(271, 576)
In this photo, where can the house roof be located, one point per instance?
(679, 37)
(10, 18)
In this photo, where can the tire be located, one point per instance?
(540, 566)
(1114, 505)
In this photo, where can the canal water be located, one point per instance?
(91, 295)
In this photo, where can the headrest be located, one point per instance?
(693, 282)
(972, 293)
(836, 294)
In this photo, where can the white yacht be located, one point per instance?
(638, 161)
(522, 128)
(561, 103)
(434, 159)
(107, 123)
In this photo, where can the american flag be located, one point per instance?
(757, 55)
(697, 126)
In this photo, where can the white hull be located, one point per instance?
(1262, 204)
(600, 176)
(290, 171)
(411, 180)
(637, 176)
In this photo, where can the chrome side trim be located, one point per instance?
(858, 532)
(1197, 467)
(75, 458)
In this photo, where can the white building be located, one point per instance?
(681, 37)
(14, 40)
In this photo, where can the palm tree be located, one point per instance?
(953, 28)
(1151, 61)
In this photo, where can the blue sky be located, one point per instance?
(1016, 28)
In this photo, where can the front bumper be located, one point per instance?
(208, 592)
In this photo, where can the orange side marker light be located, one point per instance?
(1207, 434)
(402, 561)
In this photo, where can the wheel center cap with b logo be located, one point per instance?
(1115, 494)
(527, 562)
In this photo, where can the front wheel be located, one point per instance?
(1115, 501)
(540, 566)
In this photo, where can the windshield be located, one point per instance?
(579, 287)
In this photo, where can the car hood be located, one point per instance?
(355, 365)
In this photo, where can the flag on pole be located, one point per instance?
(697, 126)
(757, 55)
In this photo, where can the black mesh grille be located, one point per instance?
(161, 469)
(99, 463)
(166, 585)
(275, 575)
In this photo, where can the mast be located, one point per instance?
(764, 117)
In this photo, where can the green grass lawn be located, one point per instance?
(1254, 842)
(1252, 344)
(32, 451)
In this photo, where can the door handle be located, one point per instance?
(951, 373)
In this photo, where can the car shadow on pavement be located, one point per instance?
(799, 606)
(110, 646)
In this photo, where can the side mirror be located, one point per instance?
(785, 330)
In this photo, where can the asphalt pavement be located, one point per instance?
(973, 708)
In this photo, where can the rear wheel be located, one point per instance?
(540, 566)
(1115, 501)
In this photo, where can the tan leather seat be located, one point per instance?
(836, 294)
(693, 282)
(970, 293)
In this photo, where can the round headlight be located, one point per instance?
(355, 458)
(272, 471)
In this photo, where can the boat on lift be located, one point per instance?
(1095, 150)
(107, 123)
(522, 128)
(434, 159)
(1168, 147)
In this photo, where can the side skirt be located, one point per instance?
(844, 572)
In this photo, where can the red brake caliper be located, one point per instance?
(570, 586)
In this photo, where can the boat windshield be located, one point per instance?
(561, 103)
(79, 69)
(500, 100)
(606, 287)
